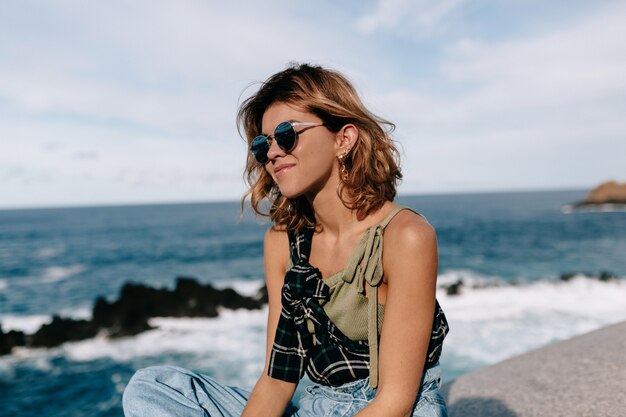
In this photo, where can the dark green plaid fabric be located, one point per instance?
(328, 357)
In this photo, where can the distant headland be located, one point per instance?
(608, 196)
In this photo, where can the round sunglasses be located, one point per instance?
(285, 135)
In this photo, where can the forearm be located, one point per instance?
(269, 398)
(379, 407)
(393, 399)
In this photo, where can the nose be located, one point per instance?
(274, 151)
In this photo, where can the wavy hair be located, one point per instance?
(372, 164)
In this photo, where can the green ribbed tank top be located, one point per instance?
(360, 317)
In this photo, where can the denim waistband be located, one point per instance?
(360, 389)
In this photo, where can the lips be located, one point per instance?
(282, 168)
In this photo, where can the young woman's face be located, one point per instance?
(307, 168)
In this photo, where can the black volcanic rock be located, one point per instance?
(129, 314)
(454, 289)
(62, 330)
(120, 318)
(567, 276)
(202, 300)
(11, 339)
(137, 303)
(607, 276)
(602, 276)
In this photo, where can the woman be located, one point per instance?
(360, 320)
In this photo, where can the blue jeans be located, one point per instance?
(161, 391)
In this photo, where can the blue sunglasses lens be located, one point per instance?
(259, 148)
(285, 137)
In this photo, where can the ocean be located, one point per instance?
(508, 249)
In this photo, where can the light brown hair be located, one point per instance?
(372, 164)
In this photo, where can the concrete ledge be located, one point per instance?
(582, 376)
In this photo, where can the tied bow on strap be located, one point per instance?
(367, 268)
(301, 294)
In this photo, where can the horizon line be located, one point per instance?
(227, 201)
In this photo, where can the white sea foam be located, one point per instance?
(80, 313)
(59, 273)
(49, 252)
(31, 323)
(469, 278)
(487, 324)
(49, 275)
(232, 331)
(27, 324)
(243, 287)
(494, 323)
(3, 284)
(232, 345)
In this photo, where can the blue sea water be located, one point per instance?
(508, 248)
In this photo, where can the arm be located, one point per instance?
(410, 265)
(270, 396)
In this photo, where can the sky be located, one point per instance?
(117, 102)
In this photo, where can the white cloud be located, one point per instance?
(540, 111)
(117, 101)
(52, 164)
(179, 67)
(420, 17)
(137, 100)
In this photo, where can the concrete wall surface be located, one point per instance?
(582, 376)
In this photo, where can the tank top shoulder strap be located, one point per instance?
(395, 211)
(366, 260)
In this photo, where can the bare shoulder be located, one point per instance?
(408, 229)
(275, 237)
(275, 250)
(410, 250)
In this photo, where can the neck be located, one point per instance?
(335, 218)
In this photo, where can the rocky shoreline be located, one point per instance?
(129, 314)
(137, 303)
(457, 287)
(608, 196)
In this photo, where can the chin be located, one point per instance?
(290, 194)
(291, 190)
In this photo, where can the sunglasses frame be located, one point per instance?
(265, 146)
